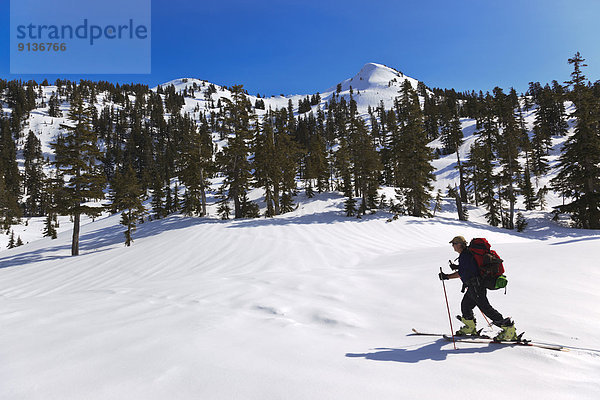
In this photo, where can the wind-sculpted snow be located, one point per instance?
(310, 304)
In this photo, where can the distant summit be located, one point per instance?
(372, 76)
(373, 85)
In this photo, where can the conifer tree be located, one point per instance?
(267, 172)
(77, 160)
(126, 196)
(158, 193)
(49, 228)
(195, 165)
(521, 223)
(316, 163)
(527, 190)
(275, 162)
(416, 173)
(10, 190)
(11, 241)
(33, 176)
(452, 138)
(508, 154)
(343, 166)
(9, 208)
(366, 163)
(288, 156)
(8, 160)
(579, 165)
(54, 107)
(234, 159)
(481, 164)
(542, 136)
(438, 202)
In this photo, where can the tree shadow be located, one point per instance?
(101, 239)
(432, 351)
(541, 229)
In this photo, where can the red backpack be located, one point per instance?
(488, 261)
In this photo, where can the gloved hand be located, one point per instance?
(453, 266)
(443, 276)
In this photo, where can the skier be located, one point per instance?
(476, 295)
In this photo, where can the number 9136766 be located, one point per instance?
(42, 47)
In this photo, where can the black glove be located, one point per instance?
(443, 276)
(453, 266)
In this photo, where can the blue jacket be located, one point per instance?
(467, 266)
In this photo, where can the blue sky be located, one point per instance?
(290, 47)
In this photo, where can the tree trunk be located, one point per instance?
(276, 198)
(459, 207)
(463, 191)
(203, 192)
(75, 243)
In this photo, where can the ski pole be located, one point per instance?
(448, 308)
(486, 320)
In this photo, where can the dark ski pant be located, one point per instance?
(476, 296)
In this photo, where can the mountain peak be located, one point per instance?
(373, 75)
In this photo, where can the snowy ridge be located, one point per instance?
(373, 84)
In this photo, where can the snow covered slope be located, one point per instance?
(310, 304)
(373, 84)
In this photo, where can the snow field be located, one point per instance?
(306, 305)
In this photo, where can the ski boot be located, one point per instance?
(468, 329)
(508, 333)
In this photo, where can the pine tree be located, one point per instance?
(316, 162)
(366, 163)
(540, 142)
(416, 171)
(438, 202)
(275, 162)
(579, 165)
(527, 190)
(195, 164)
(234, 159)
(11, 241)
(521, 223)
(54, 107)
(452, 138)
(398, 208)
(76, 159)
(267, 171)
(508, 154)
(343, 166)
(126, 196)
(481, 164)
(8, 160)
(49, 228)
(10, 211)
(223, 209)
(34, 176)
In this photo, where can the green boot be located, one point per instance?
(508, 333)
(469, 327)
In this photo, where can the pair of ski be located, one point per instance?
(487, 339)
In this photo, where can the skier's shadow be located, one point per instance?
(432, 351)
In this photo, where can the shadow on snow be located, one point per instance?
(432, 351)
